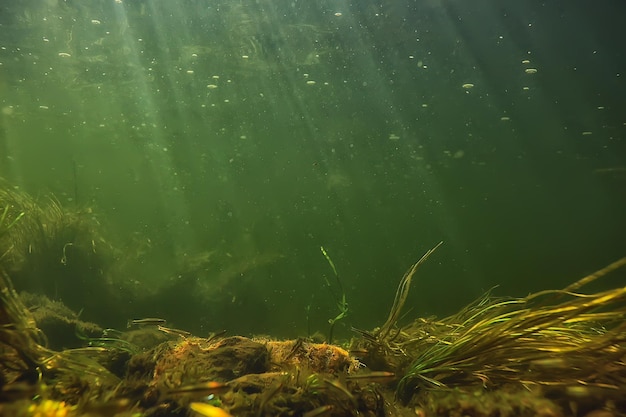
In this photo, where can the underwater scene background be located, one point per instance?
(212, 148)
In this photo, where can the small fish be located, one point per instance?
(215, 336)
(319, 411)
(268, 395)
(297, 346)
(18, 391)
(175, 332)
(359, 352)
(365, 335)
(375, 376)
(150, 321)
(555, 363)
(202, 389)
(337, 386)
(208, 410)
(109, 408)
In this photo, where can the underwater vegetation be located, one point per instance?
(40, 238)
(65, 253)
(31, 228)
(555, 339)
(553, 353)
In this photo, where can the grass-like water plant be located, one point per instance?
(562, 339)
(342, 303)
(549, 338)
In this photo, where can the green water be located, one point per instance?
(231, 139)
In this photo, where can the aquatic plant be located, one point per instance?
(6, 223)
(562, 339)
(21, 342)
(71, 374)
(10, 215)
(341, 301)
(556, 338)
(60, 250)
(378, 348)
(401, 294)
(107, 342)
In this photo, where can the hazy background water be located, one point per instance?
(232, 139)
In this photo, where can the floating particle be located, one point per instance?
(194, 55)
(245, 56)
(216, 77)
(526, 61)
(525, 88)
(393, 136)
(44, 107)
(64, 55)
(600, 107)
(95, 21)
(467, 86)
(310, 82)
(505, 118)
(338, 14)
(530, 70)
(189, 71)
(587, 133)
(211, 86)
